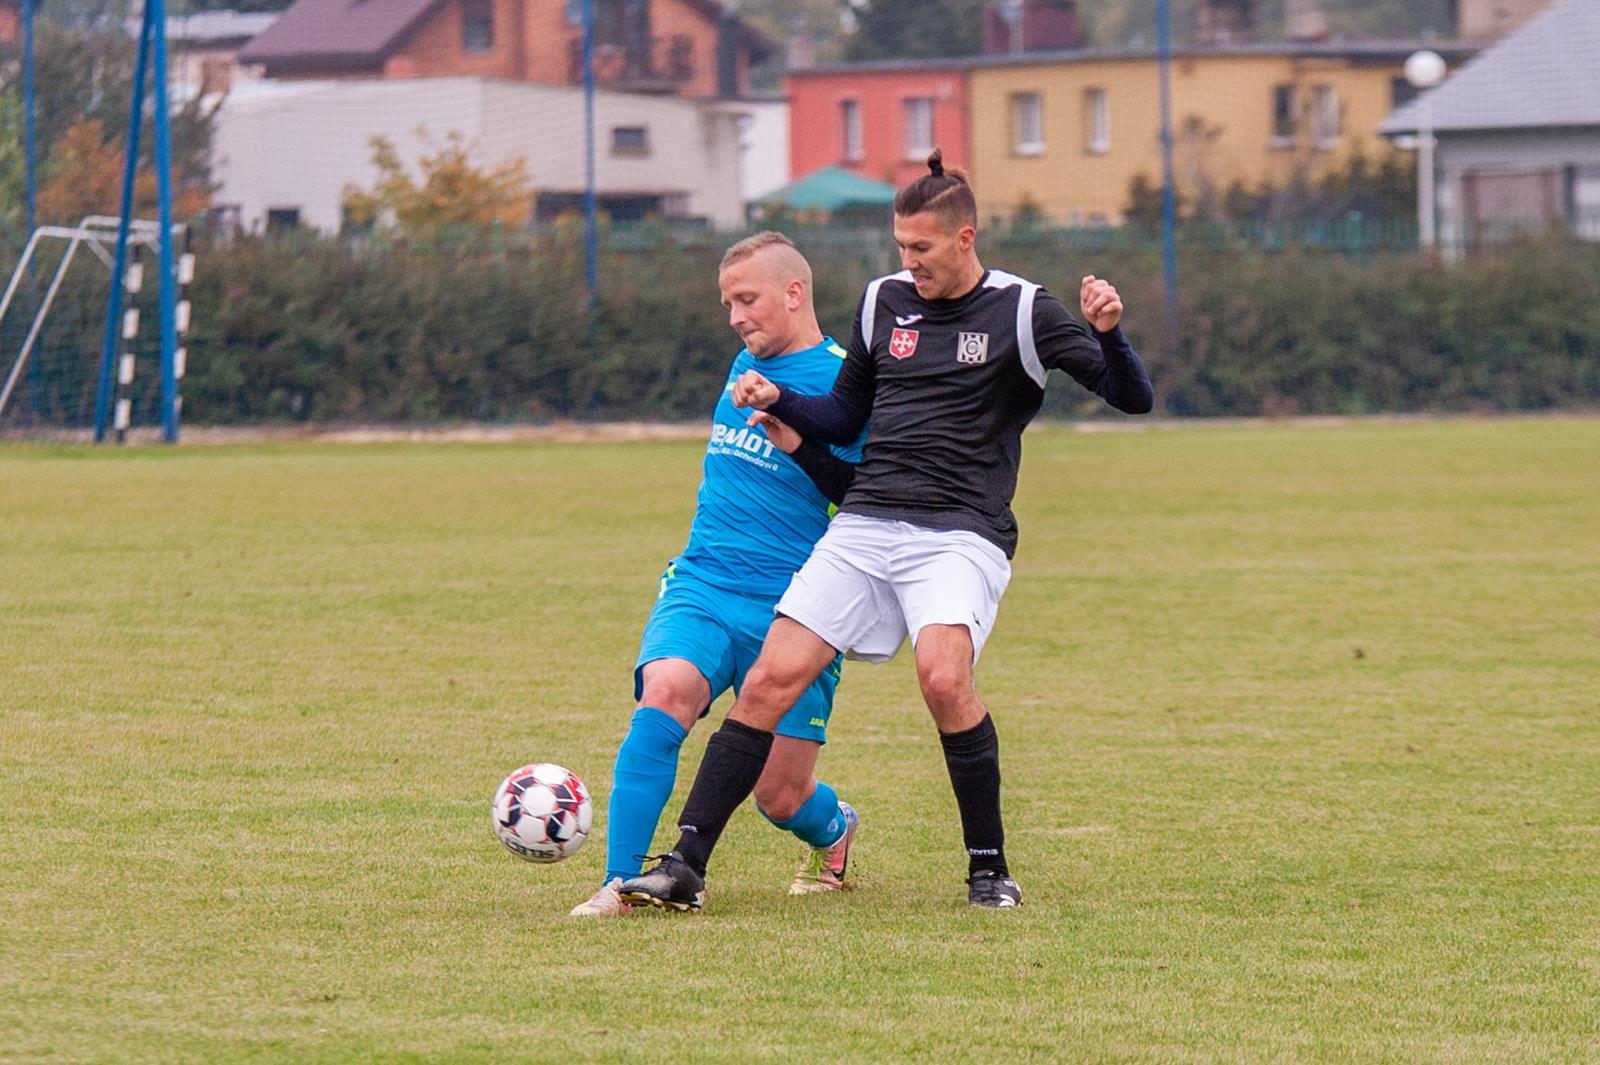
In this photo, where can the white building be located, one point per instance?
(1518, 131)
(763, 144)
(285, 151)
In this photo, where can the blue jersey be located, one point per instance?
(758, 514)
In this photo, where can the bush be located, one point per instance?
(312, 329)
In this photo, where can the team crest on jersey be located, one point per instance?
(972, 348)
(903, 343)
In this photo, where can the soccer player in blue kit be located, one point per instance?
(760, 511)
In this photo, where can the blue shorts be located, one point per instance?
(720, 633)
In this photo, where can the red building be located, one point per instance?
(10, 25)
(689, 48)
(880, 122)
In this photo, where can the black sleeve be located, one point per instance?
(1104, 363)
(839, 416)
(831, 474)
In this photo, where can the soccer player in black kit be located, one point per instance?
(949, 361)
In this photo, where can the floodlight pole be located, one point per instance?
(102, 396)
(27, 112)
(1169, 208)
(1427, 234)
(590, 239)
(155, 14)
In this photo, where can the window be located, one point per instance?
(477, 25)
(630, 140)
(1325, 116)
(850, 120)
(1401, 92)
(1097, 116)
(282, 219)
(1285, 120)
(919, 127)
(1027, 124)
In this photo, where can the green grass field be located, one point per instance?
(1300, 728)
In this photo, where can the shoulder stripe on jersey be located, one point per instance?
(1025, 344)
(869, 305)
(834, 349)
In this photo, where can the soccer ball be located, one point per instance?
(542, 813)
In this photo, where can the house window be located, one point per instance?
(1027, 124)
(850, 120)
(282, 219)
(1097, 115)
(477, 25)
(1325, 117)
(630, 140)
(1401, 92)
(1285, 120)
(919, 127)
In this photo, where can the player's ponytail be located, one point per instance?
(943, 190)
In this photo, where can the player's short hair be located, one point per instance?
(787, 264)
(751, 245)
(947, 192)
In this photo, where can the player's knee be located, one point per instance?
(945, 685)
(671, 696)
(772, 684)
(779, 800)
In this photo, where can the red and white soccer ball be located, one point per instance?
(542, 813)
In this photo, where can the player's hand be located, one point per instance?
(753, 390)
(783, 437)
(1102, 307)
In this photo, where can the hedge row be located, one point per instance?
(317, 330)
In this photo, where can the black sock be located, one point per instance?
(728, 774)
(973, 758)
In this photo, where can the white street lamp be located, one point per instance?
(1424, 70)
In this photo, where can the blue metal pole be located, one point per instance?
(1169, 209)
(156, 13)
(590, 239)
(27, 112)
(102, 396)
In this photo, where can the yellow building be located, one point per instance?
(1068, 132)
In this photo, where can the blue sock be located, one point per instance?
(641, 783)
(819, 821)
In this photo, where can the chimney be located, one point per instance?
(1305, 20)
(1030, 26)
(1222, 21)
(801, 47)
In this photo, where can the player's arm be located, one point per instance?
(831, 474)
(835, 418)
(1098, 357)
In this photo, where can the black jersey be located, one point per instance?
(950, 385)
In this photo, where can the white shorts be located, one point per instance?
(871, 581)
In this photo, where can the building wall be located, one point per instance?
(436, 48)
(763, 147)
(1489, 19)
(533, 42)
(670, 17)
(816, 125)
(10, 24)
(298, 146)
(1569, 155)
(1222, 126)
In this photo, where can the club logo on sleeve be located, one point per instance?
(972, 348)
(903, 343)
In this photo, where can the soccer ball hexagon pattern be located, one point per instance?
(542, 813)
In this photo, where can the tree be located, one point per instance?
(454, 191)
(83, 84)
(891, 29)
